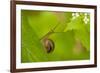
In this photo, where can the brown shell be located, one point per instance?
(49, 45)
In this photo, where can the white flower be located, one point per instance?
(75, 15)
(86, 14)
(86, 20)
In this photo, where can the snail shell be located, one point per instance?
(49, 45)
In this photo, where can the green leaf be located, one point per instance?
(64, 43)
(84, 37)
(75, 24)
(36, 24)
(32, 48)
(82, 31)
(43, 23)
(65, 18)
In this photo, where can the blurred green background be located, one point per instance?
(69, 32)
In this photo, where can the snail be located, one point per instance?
(48, 45)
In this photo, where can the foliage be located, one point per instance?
(62, 28)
